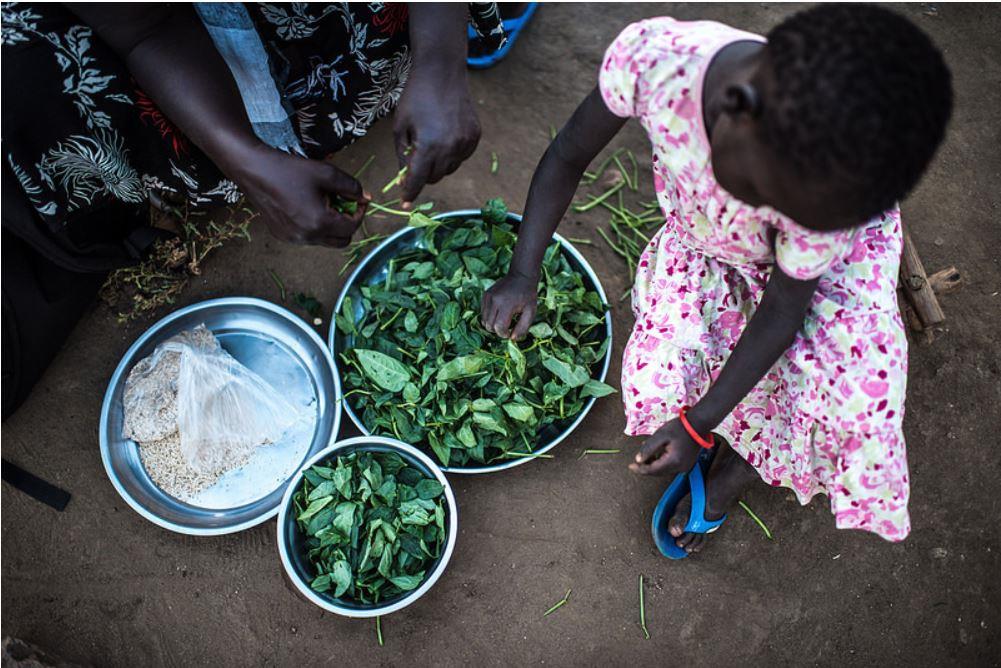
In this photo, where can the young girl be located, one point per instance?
(766, 312)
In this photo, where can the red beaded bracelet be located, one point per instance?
(691, 430)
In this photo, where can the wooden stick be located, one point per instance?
(916, 287)
(945, 281)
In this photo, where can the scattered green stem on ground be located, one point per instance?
(559, 604)
(646, 634)
(378, 629)
(494, 162)
(768, 534)
(630, 227)
(278, 282)
(581, 208)
(586, 242)
(538, 455)
(361, 170)
(609, 451)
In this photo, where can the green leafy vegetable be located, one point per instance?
(387, 372)
(374, 525)
(420, 367)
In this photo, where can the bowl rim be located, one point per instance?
(466, 213)
(125, 365)
(429, 581)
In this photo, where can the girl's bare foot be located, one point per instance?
(728, 477)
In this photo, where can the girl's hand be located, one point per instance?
(511, 295)
(668, 450)
(435, 127)
(297, 197)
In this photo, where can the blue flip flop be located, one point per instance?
(692, 483)
(512, 28)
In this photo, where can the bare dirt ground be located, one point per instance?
(100, 585)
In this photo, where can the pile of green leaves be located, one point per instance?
(420, 367)
(373, 525)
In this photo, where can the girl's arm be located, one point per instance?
(172, 57)
(767, 336)
(556, 178)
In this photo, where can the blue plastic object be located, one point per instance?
(692, 483)
(512, 28)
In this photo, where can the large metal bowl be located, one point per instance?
(282, 349)
(373, 269)
(290, 539)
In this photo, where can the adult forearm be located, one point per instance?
(438, 36)
(171, 56)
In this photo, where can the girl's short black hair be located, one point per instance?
(861, 95)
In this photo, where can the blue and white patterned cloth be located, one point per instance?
(235, 37)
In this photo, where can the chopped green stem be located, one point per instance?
(768, 534)
(278, 282)
(378, 629)
(385, 209)
(601, 198)
(646, 634)
(611, 243)
(494, 162)
(396, 180)
(390, 321)
(559, 604)
(636, 169)
(625, 174)
(610, 451)
(389, 277)
(586, 242)
(361, 170)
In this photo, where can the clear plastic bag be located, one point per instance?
(220, 409)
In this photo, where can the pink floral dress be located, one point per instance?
(827, 417)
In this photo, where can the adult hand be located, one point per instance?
(435, 127)
(668, 450)
(302, 201)
(511, 295)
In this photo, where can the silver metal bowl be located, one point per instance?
(279, 347)
(373, 269)
(290, 539)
